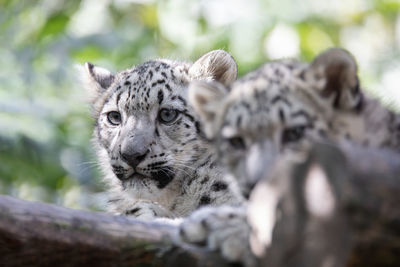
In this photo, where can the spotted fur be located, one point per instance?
(278, 108)
(150, 148)
(285, 104)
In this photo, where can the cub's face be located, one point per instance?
(145, 126)
(279, 107)
(146, 134)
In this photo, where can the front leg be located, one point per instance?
(223, 228)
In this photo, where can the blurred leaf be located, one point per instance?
(88, 53)
(148, 15)
(54, 26)
(316, 36)
(42, 168)
(388, 7)
(313, 40)
(203, 25)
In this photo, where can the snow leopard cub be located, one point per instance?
(278, 108)
(153, 156)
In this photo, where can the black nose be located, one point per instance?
(133, 158)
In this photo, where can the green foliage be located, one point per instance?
(45, 128)
(54, 26)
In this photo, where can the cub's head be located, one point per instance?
(278, 107)
(146, 134)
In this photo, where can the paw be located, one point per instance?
(224, 229)
(147, 210)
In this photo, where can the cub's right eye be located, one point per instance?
(114, 117)
(237, 142)
(293, 134)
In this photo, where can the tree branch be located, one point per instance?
(38, 234)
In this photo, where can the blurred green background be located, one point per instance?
(45, 127)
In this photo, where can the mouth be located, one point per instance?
(135, 176)
(161, 177)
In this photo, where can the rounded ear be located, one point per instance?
(338, 69)
(96, 80)
(216, 65)
(208, 100)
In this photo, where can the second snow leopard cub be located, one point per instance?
(279, 108)
(285, 104)
(148, 141)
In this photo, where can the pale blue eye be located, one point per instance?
(167, 115)
(114, 117)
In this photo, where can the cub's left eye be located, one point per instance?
(114, 117)
(168, 115)
(293, 134)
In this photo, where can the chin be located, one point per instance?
(135, 181)
(141, 188)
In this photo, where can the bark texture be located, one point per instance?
(38, 234)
